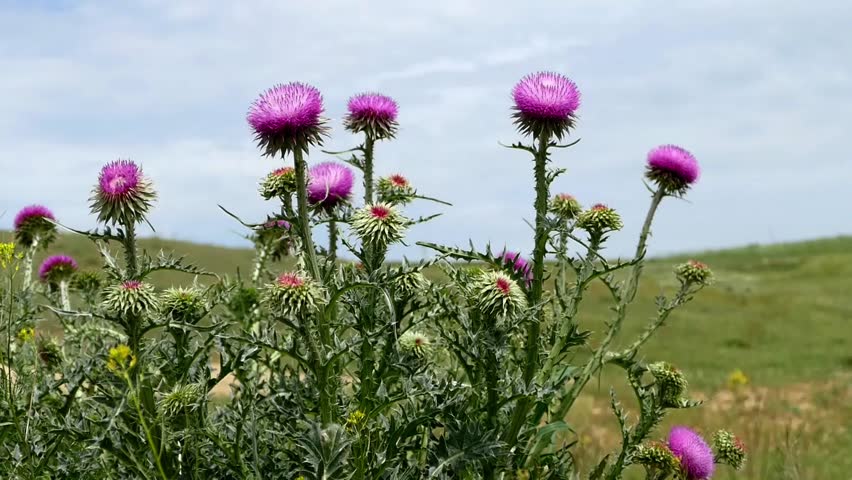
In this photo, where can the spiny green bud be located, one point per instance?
(729, 449)
(293, 294)
(497, 294)
(410, 284)
(185, 305)
(656, 457)
(671, 383)
(130, 298)
(87, 281)
(565, 206)
(694, 272)
(394, 189)
(182, 399)
(380, 224)
(415, 342)
(279, 183)
(599, 219)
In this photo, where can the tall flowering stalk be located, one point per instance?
(329, 187)
(375, 116)
(57, 270)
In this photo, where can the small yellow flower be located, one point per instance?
(120, 359)
(26, 334)
(7, 254)
(737, 378)
(355, 420)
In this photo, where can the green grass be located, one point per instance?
(779, 313)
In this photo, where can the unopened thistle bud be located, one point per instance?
(279, 183)
(88, 282)
(34, 222)
(671, 383)
(729, 449)
(120, 359)
(656, 457)
(275, 234)
(123, 194)
(372, 113)
(56, 269)
(130, 298)
(293, 294)
(395, 189)
(599, 219)
(565, 206)
(410, 284)
(181, 400)
(379, 224)
(545, 105)
(694, 272)
(416, 343)
(288, 117)
(672, 168)
(184, 305)
(497, 294)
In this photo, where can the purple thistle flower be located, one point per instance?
(287, 117)
(57, 268)
(545, 104)
(30, 213)
(672, 167)
(119, 179)
(34, 223)
(696, 457)
(519, 264)
(123, 195)
(329, 184)
(372, 113)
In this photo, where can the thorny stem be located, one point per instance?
(63, 295)
(332, 240)
(260, 262)
(304, 219)
(369, 144)
(130, 250)
(28, 264)
(147, 430)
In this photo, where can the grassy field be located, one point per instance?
(778, 314)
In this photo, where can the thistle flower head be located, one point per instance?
(395, 189)
(599, 219)
(280, 182)
(694, 272)
(292, 293)
(414, 342)
(671, 383)
(57, 268)
(497, 294)
(181, 400)
(185, 305)
(672, 168)
(120, 359)
(545, 104)
(329, 184)
(132, 297)
(34, 222)
(372, 113)
(379, 224)
(565, 206)
(729, 449)
(656, 457)
(696, 457)
(288, 117)
(518, 264)
(410, 284)
(123, 195)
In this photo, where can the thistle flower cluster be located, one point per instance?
(672, 168)
(56, 269)
(379, 224)
(373, 114)
(280, 183)
(34, 222)
(123, 195)
(671, 383)
(545, 105)
(498, 295)
(694, 272)
(565, 206)
(287, 118)
(329, 184)
(599, 220)
(394, 189)
(293, 294)
(414, 342)
(729, 449)
(696, 457)
(132, 297)
(184, 305)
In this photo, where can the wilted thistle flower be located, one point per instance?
(599, 219)
(185, 305)
(379, 224)
(672, 168)
(34, 221)
(293, 294)
(57, 268)
(372, 113)
(280, 182)
(496, 294)
(565, 206)
(123, 195)
(120, 359)
(410, 284)
(696, 457)
(288, 117)
(545, 104)
(694, 272)
(517, 263)
(414, 342)
(395, 189)
(329, 184)
(182, 399)
(130, 298)
(671, 383)
(729, 449)
(26, 335)
(657, 457)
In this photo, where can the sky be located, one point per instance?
(760, 91)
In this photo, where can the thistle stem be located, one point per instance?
(63, 295)
(28, 264)
(130, 250)
(304, 219)
(260, 262)
(332, 240)
(369, 144)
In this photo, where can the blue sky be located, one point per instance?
(760, 91)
